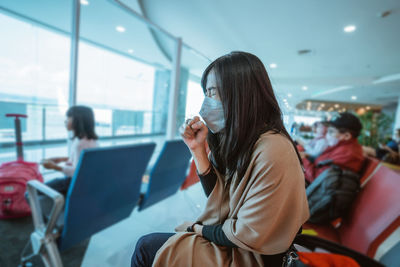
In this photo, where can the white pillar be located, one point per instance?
(73, 72)
(174, 91)
(73, 65)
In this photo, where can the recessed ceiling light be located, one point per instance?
(303, 51)
(120, 29)
(130, 51)
(349, 28)
(85, 2)
(353, 97)
(289, 95)
(273, 65)
(385, 13)
(304, 88)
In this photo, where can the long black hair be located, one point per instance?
(250, 109)
(82, 122)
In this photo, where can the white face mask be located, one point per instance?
(332, 141)
(213, 114)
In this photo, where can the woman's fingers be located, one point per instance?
(186, 131)
(194, 120)
(187, 126)
(198, 125)
(194, 129)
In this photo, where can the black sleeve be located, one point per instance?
(215, 234)
(208, 181)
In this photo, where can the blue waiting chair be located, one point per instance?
(104, 190)
(167, 174)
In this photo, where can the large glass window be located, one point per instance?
(124, 70)
(194, 98)
(119, 88)
(34, 71)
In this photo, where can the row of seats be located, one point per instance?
(106, 187)
(374, 215)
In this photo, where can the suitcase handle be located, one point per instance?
(16, 115)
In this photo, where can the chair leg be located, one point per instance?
(24, 259)
(51, 255)
(43, 239)
(45, 259)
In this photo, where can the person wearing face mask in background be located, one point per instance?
(252, 177)
(318, 144)
(343, 147)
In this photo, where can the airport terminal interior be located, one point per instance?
(136, 67)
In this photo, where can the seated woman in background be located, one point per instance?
(252, 177)
(80, 120)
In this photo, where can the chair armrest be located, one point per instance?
(313, 242)
(33, 188)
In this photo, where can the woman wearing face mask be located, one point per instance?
(343, 150)
(252, 177)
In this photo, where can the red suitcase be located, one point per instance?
(13, 179)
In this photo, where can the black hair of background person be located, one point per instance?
(250, 109)
(82, 122)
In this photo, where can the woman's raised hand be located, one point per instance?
(58, 159)
(49, 164)
(194, 133)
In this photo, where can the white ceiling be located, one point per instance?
(340, 65)
(276, 30)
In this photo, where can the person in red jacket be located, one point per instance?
(343, 150)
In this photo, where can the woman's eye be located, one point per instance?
(211, 92)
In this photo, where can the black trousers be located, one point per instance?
(60, 184)
(148, 245)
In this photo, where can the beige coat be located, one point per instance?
(261, 215)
